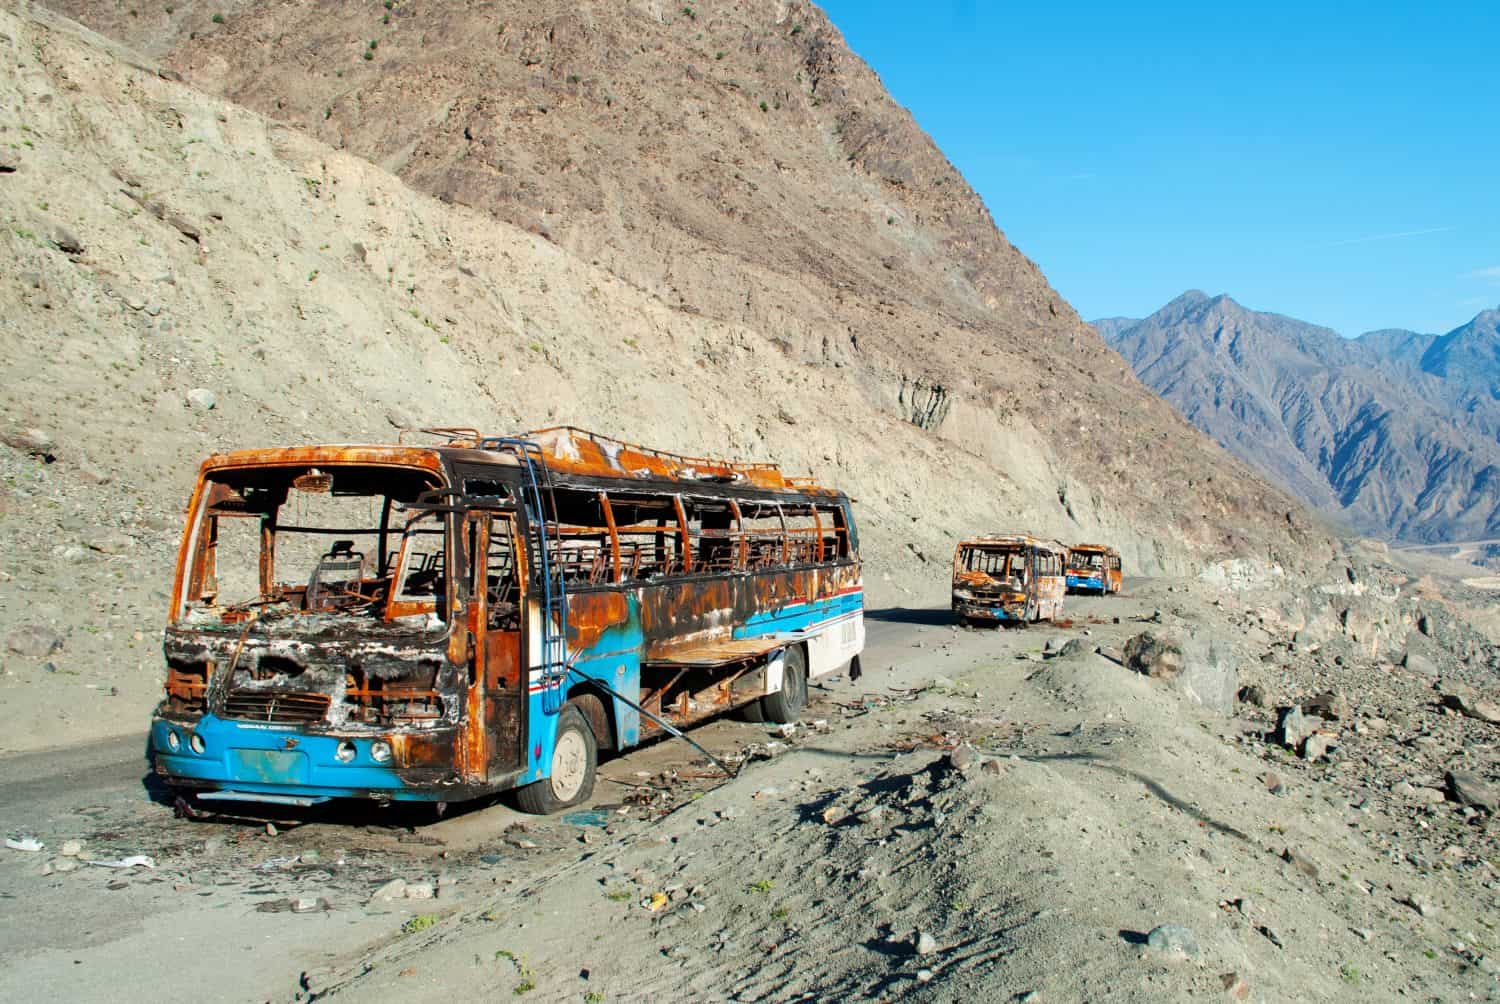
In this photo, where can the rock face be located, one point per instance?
(1396, 433)
(746, 170)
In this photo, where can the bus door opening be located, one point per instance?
(498, 582)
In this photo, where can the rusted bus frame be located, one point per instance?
(715, 698)
(798, 546)
(617, 457)
(196, 554)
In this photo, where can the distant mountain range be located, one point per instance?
(1397, 433)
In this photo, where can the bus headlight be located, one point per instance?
(196, 743)
(380, 751)
(345, 752)
(174, 741)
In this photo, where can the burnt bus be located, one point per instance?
(1094, 568)
(1010, 578)
(436, 623)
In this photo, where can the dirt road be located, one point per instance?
(856, 859)
(94, 932)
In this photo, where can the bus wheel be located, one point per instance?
(575, 755)
(786, 704)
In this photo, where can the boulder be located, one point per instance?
(1173, 940)
(1203, 671)
(202, 398)
(1472, 790)
(1294, 727)
(1210, 677)
(1462, 699)
(33, 441)
(1330, 705)
(33, 641)
(1157, 656)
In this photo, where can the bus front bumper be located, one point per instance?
(978, 609)
(1089, 583)
(284, 763)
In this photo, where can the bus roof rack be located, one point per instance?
(569, 449)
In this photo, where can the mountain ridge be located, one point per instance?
(1377, 431)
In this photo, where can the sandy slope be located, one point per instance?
(319, 299)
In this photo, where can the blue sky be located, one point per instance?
(1338, 162)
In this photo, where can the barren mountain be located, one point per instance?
(174, 252)
(1392, 432)
(736, 162)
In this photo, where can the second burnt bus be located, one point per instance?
(1094, 568)
(436, 623)
(1008, 578)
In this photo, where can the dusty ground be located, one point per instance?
(1098, 805)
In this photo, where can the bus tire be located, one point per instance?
(575, 759)
(786, 704)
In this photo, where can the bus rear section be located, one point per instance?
(1008, 578)
(1094, 568)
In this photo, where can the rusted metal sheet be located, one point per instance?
(714, 653)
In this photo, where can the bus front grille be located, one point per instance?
(268, 706)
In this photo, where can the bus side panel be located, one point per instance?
(604, 643)
(827, 608)
(605, 633)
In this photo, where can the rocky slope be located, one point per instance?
(735, 161)
(189, 276)
(1393, 432)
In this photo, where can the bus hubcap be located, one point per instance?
(568, 765)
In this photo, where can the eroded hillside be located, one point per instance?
(190, 276)
(736, 161)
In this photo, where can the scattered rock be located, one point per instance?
(71, 848)
(1274, 784)
(1173, 939)
(202, 398)
(1316, 746)
(924, 975)
(33, 641)
(992, 767)
(394, 889)
(419, 890)
(1302, 863)
(1159, 657)
(1419, 903)
(66, 241)
(1470, 789)
(924, 943)
(1054, 645)
(1330, 704)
